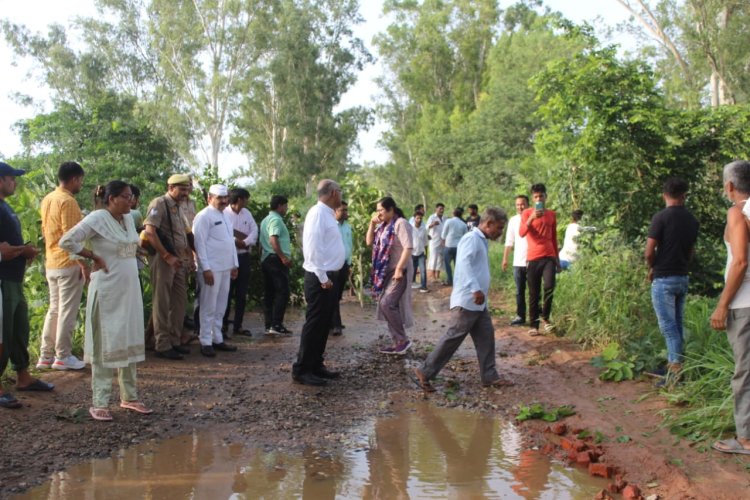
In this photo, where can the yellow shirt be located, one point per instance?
(60, 212)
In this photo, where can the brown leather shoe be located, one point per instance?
(423, 382)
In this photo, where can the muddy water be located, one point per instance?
(421, 452)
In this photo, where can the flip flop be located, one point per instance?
(136, 406)
(9, 401)
(37, 386)
(731, 446)
(100, 414)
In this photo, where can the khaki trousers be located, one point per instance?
(169, 302)
(738, 333)
(65, 290)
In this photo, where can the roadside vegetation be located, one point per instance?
(480, 102)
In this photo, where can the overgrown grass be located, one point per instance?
(606, 298)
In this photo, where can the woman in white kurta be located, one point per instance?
(114, 309)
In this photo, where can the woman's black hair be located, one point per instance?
(113, 189)
(388, 203)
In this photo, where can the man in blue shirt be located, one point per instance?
(342, 215)
(453, 229)
(469, 312)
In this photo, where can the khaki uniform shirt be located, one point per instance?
(157, 217)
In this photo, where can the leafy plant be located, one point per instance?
(613, 368)
(539, 411)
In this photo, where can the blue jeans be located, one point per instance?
(449, 258)
(668, 296)
(420, 261)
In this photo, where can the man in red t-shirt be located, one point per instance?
(539, 227)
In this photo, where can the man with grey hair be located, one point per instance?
(469, 312)
(732, 312)
(323, 249)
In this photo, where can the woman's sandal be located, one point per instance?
(136, 406)
(101, 414)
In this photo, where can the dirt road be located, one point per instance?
(252, 389)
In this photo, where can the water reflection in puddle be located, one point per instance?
(423, 452)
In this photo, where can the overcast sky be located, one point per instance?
(37, 14)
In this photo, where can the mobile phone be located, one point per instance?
(539, 205)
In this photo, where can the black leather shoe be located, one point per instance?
(324, 372)
(182, 349)
(225, 347)
(169, 354)
(309, 379)
(208, 351)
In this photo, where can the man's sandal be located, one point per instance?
(101, 414)
(136, 406)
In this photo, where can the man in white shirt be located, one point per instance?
(419, 239)
(514, 241)
(434, 234)
(323, 249)
(569, 251)
(245, 232)
(217, 265)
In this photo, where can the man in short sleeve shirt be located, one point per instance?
(669, 249)
(167, 230)
(276, 259)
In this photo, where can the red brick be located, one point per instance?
(566, 444)
(618, 485)
(632, 492)
(580, 445)
(583, 458)
(559, 428)
(548, 449)
(601, 470)
(572, 455)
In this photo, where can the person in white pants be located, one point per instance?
(217, 264)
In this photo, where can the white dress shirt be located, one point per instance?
(435, 232)
(244, 223)
(515, 240)
(419, 239)
(214, 241)
(322, 245)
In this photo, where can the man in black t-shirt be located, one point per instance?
(669, 248)
(15, 328)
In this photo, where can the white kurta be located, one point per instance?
(115, 296)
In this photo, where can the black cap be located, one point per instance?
(8, 171)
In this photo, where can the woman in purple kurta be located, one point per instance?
(390, 234)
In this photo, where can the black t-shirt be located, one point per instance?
(675, 229)
(472, 221)
(10, 232)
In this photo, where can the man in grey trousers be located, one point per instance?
(469, 312)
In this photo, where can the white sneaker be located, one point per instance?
(44, 363)
(69, 363)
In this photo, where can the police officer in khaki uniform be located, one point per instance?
(167, 230)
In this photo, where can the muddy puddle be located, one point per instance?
(421, 452)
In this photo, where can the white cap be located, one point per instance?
(218, 190)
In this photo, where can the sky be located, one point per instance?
(38, 14)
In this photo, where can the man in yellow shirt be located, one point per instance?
(65, 276)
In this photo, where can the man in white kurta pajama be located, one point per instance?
(216, 257)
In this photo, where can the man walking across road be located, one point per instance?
(539, 227)
(434, 233)
(15, 327)
(324, 253)
(245, 233)
(167, 229)
(65, 276)
(342, 216)
(276, 259)
(669, 248)
(469, 312)
(216, 259)
(515, 242)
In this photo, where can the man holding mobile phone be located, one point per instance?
(539, 227)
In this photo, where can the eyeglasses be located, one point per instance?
(127, 196)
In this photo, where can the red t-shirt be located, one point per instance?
(541, 236)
